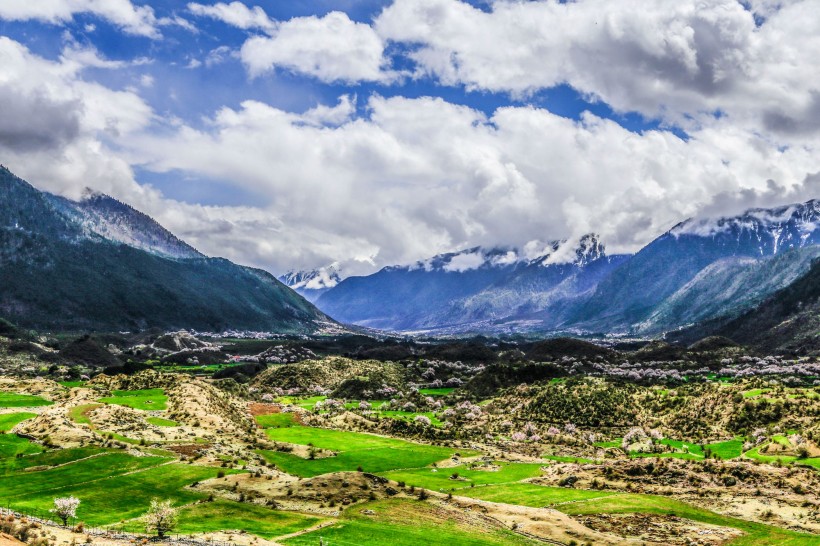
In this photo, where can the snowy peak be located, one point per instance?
(315, 279)
(581, 252)
(769, 231)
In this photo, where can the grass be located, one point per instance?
(755, 533)
(371, 453)
(160, 422)
(71, 384)
(111, 487)
(12, 445)
(225, 515)
(405, 523)
(48, 458)
(79, 414)
(9, 420)
(755, 454)
(583, 502)
(728, 449)
(444, 391)
(439, 479)
(276, 420)
(35, 484)
(14, 400)
(148, 399)
(304, 403)
(537, 496)
(251, 518)
(755, 392)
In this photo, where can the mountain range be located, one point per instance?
(698, 271)
(99, 264)
(312, 284)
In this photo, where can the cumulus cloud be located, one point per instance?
(331, 48)
(416, 177)
(672, 61)
(138, 20)
(54, 122)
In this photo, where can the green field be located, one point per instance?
(251, 518)
(371, 453)
(11, 446)
(444, 391)
(276, 420)
(160, 422)
(439, 479)
(405, 523)
(14, 400)
(48, 458)
(71, 384)
(9, 420)
(148, 399)
(111, 487)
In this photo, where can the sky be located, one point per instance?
(295, 134)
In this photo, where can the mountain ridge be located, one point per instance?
(58, 271)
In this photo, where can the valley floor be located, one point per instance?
(279, 473)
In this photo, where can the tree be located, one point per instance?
(65, 507)
(161, 517)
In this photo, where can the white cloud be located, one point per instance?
(423, 176)
(235, 14)
(330, 48)
(672, 61)
(465, 262)
(138, 20)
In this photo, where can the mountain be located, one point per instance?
(704, 268)
(700, 270)
(100, 264)
(788, 321)
(476, 289)
(313, 283)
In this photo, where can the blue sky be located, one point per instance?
(370, 132)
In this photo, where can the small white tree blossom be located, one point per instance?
(364, 405)
(423, 420)
(518, 437)
(65, 507)
(161, 517)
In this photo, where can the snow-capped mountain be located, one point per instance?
(704, 268)
(100, 264)
(699, 270)
(312, 283)
(760, 232)
(465, 289)
(102, 217)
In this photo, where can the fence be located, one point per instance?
(45, 517)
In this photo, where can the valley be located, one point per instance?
(551, 441)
